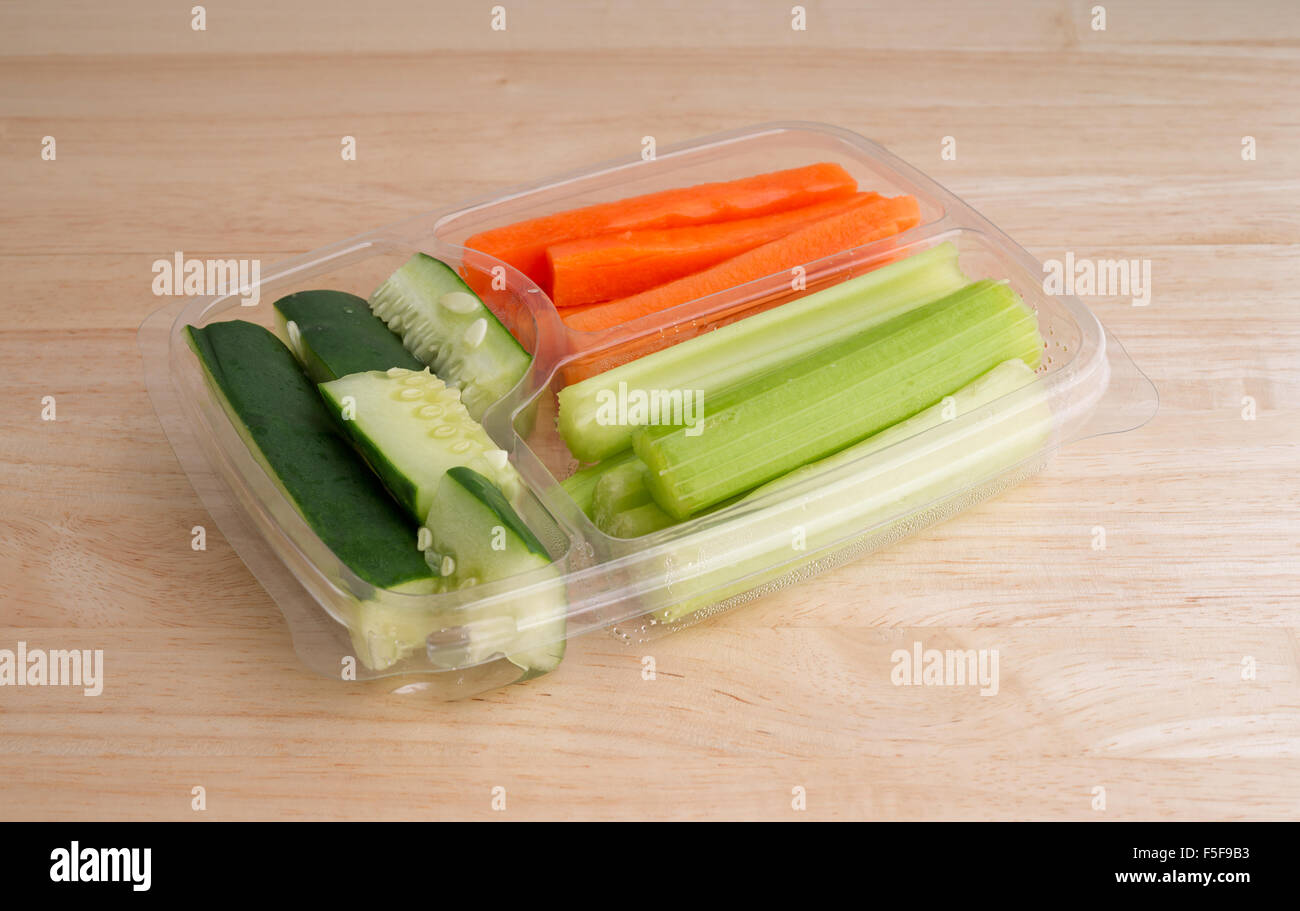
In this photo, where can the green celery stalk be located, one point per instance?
(622, 505)
(835, 397)
(756, 345)
(929, 458)
(581, 485)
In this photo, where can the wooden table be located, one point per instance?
(1121, 669)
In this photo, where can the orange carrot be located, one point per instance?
(523, 244)
(876, 220)
(607, 356)
(618, 265)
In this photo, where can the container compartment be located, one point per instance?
(638, 587)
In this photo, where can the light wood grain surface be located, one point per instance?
(1120, 669)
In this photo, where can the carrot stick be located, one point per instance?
(618, 265)
(523, 244)
(882, 218)
(607, 356)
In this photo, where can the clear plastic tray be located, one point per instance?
(626, 585)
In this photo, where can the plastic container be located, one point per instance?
(627, 586)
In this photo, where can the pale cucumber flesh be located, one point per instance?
(444, 324)
(478, 538)
(411, 427)
(475, 538)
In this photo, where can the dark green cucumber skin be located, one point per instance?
(343, 335)
(487, 493)
(284, 416)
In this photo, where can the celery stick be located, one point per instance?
(756, 345)
(581, 485)
(1003, 379)
(622, 488)
(835, 397)
(622, 505)
(637, 521)
(926, 459)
